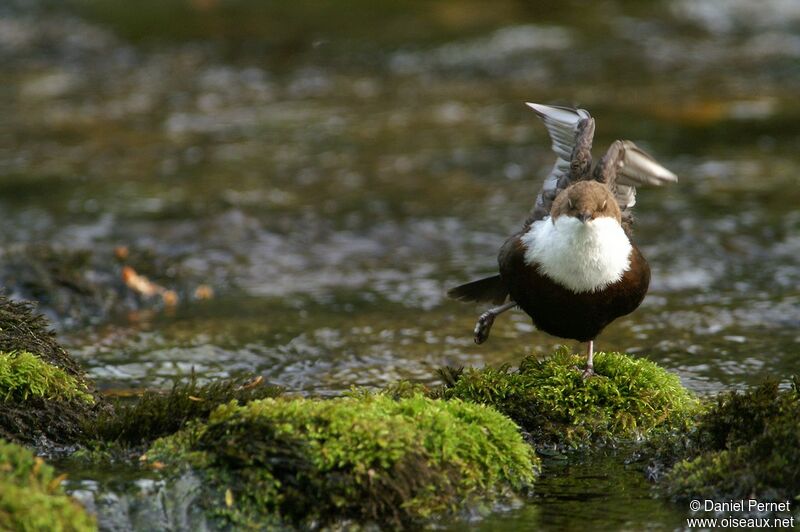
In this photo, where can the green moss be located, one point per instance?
(23, 375)
(42, 404)
(45, 397)
(157, 414)
(31, 498)
(24, 329)
(368, 458)
(549, 398)
(746, 445)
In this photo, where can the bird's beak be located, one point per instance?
(585, 217)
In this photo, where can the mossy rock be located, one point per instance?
(45, 397)
(747, 445)
(628, 398)
(25, 376)
(40, 403)
(315, 462)
(24, 329)
(31, 497)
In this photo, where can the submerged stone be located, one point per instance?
(314, 462)
(74, 287)
(745, 446)
(628, 398)
(31, 497)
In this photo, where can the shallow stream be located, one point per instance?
(330, 172)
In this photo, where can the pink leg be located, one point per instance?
(589, 371)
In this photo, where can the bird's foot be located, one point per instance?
(587, 372)
(483, 327)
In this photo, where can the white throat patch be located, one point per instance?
(583, 257)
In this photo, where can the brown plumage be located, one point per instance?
(573, 268)
(561, 312)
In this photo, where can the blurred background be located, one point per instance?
(288, 188)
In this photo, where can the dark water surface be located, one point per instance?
(330, 172)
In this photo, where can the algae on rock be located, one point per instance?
(747, 445)
(25, 376)
(44, 394)
(22, 328)
(367, 458)
(628, 398)
(157, 414)
(31, 497)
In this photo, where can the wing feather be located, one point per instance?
(626, 166)
(568, 128)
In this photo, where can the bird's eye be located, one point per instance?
(604, 205)
(569, 202)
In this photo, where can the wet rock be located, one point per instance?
(31, 497)
(314, 462)
(75, 287)
(147, 504)
(628, 399)
(65, 283)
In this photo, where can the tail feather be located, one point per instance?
(489, 289)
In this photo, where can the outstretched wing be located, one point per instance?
(571, 131)
(626, 166)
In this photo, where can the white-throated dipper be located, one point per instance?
(573, 267)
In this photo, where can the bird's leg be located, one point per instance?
(589, 371)
(486, 320)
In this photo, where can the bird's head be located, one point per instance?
(586, 201)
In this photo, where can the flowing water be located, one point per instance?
(331, 171)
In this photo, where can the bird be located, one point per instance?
(573, 268)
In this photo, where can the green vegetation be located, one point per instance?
(156, 414)
(31, 498)
(23, 375)
(24, 329)
(44, 394)
(746, 445)
(548, 397)
(367, 458)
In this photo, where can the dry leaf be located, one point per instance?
(121, 252)
(56, 482)
(170, 298)
(37, 465)
(140, 283)
(253, 383)
(228, 498)
(203, 292)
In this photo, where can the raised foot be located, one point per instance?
(483, 327)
